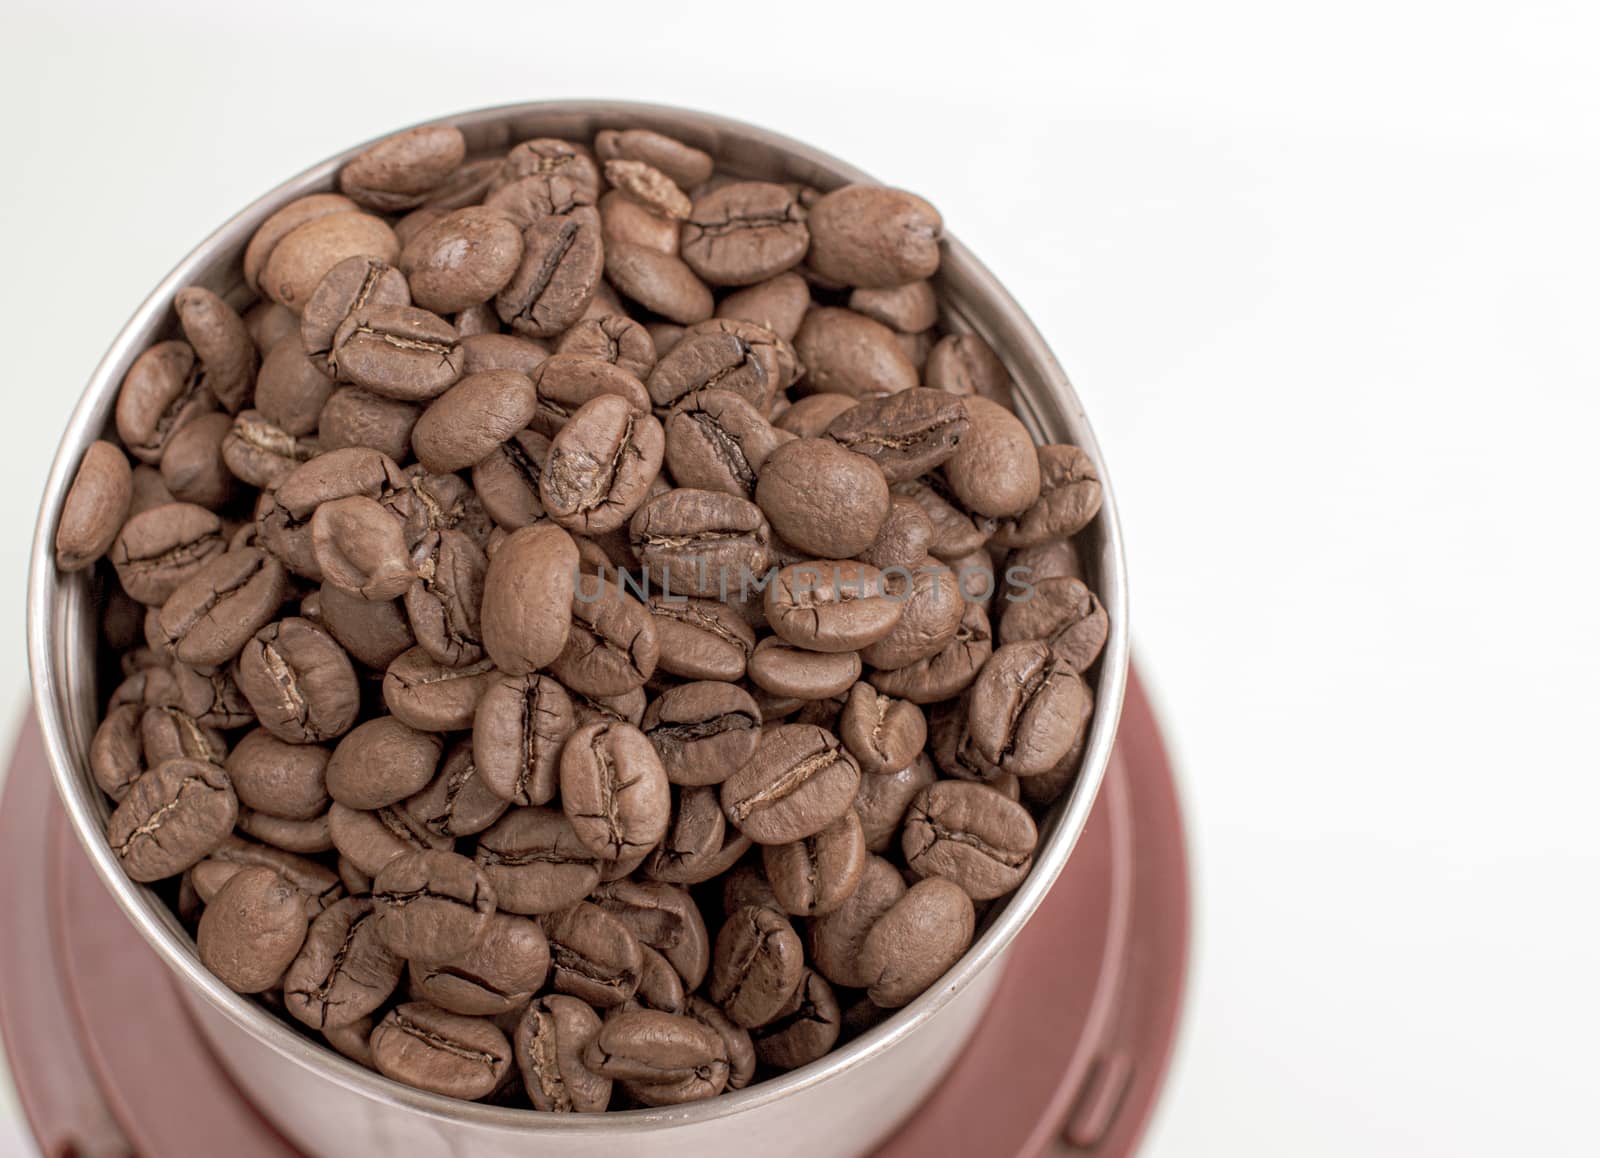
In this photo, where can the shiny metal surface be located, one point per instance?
(839, 1105)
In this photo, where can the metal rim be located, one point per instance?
(962, 277)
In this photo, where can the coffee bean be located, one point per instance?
(831, 605)
(700, 639)
(664, 1059)
(954, 532)
(317, 885)
(701, 543)
(345, 971)
(970, 834)
(777, 304)
(665, 919)
(716, 441)
(360, 548)
(616, 339)
(883, 799)
(116, 756)
(550, 1041)
(285, 780)
(398, 171)
(816, 875)
(358, 418)
(562, 261)
(883, 734)
(594, 955)
(432, 906)
(614, 790)
(158, 550)
(299, 682)
(163, 391)
(517, 734)
(350, 288)
(931, 605)
(805, 1028)
(966, 364)
(756, 965)
(684, 164)
(445, 1053)
(600, 466)
(907, 309)
(659, 282)
(848, 353)
(921, 936)
(744, 233)
(1063, 613)
(738, 357)
(704, 731)
(786, 670)
(307, 837)
(507, 481)
(823, 499)
(95, 507)
(284, 222)
(527, 598)
(375, 634)
(735, 1039)
(536, 862)
(464, 258)
(291, 390)
(1026, 708)
(302, 258)
(172, 816)
(649, 186)
(222, 343)
(867, 235)
(798, 782)
(904, 538)
(442, 601)
(907, 434)
(699, 843)
(995, 470)
(399, 352)
(809, 417)
(381, 762)
(192, 466)
(465, 424)
(252, 930)
(567, 381)
(611, 647)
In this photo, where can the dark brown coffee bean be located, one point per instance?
(699, 844)
(777, 304)
(804, 1029)
(785, 670)
(995, 470)
(756, 965)
(966, 364)
(432, 906)
(663, 1058)
(663, 918)
(1063, 613)
(442, 602)
(527, 598)
(703, 731)
(809, 417)
(883, 734)
(972, 835)
(831, 605)
(567, 381)
(192, 466)
(211, 615)
(221, 342)
(442, 1052)
(381, 762)
(375, 634)
(285, 780)
(292, 390)
(507, 481)
(465, 424)
(716, 441)
(600, 466)
(431, 697)
(397, 351)
(816, 875)
(735, 1040)
(1069, 499)
(744, 233)
(353, 287)
(907, 309)
(903, 539)
(163, 392)
(848, 353)
(611, 647)
(283, 516)
(916, 941)
(798, 782)
(871, 236)
(823, 499)
(659, 282)
(116, 757)
(360, 548)
(159, 549)
(95, 507)
(954, 532)
(562, 262)
(303, 257)
(701, 543)
(739, 357)
(521, 724)
(594, 955)
(397, 172)
(550, 1041)
(932, 606)
(168, 733)
(299, 682)
(464, 258)
(172, 816)
(456, 802)
(540, 195)
(883, 800)
(536, 862)
(284, 222)
(1026, 709)
(252, 930)
(357, 418)
(268, 323)
(614, 790)
(837, 937)
(906, 434)
(616, 339)
(345, 971)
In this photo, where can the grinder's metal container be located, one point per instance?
(840, 1105)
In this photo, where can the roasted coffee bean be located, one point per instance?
(701, 543)
(291, 390)
(931, 606)
(735, 1039)
(784, 670)
(611, 647)
(955, 534)
(882, 801)
(823, 499)
(970, 834)
(550, 1041)
(222, 343)
(848, 353)
(532, 198)
(442, 602)
(381, 762)
(357, 418)
(614, 790)
(562, 261)
(744, 233)
(168, 733)
(904, 538)
(517, 735)
(345, 971)
(280, 779)
(252, 930)
(399, 352)
(649, 186)
(353, 287)
(907, 309)
(1026, 708)
(716, 441)
(700, 639)
(624, 220)
(527, 598)
(907, 434)
(551, 157)
(809, 417)
(507, 481)
(1069, 499)
(464, 258)
(831, 605)
(615, 339)
(922, 935)
(116, 756)
(660, 987)
(871, 236)
(884, 734)
(432, 906)
(664, 918)
(192, 466)
(317, 885)
(370, 840)
(360, 548)
(465, 424)
(600, 466)
(283, 516)
(375, 634)
(172, 816)
(816, 875)
(444, 1053)
(567, 381)
(307, 837)
(593, 954)
(837, 938)
(995, 470)
(966, 364)
(353, 1041)
(659, 282)
(299, 682)
(163, 392)
(663, 1058)
(496, 351)
(397, 172)
(756, 965)
(777, 304)
(95, 507)
(804, 1029)
(1063, 613)
(699, 843)
(739, 357)
(284, 222)
(159, 549)
(211, 699)
(536, 862)
(299, 261)
(948, 672)
(207, 620)
(268, 323)
(798, 782)
(456, 802)
(704, 731)
(684, 164)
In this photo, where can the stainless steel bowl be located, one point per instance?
(843, 1103)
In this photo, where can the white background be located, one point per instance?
(1327, 278)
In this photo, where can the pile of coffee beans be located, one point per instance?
(587, 639)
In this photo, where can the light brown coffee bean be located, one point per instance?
(252, 930)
